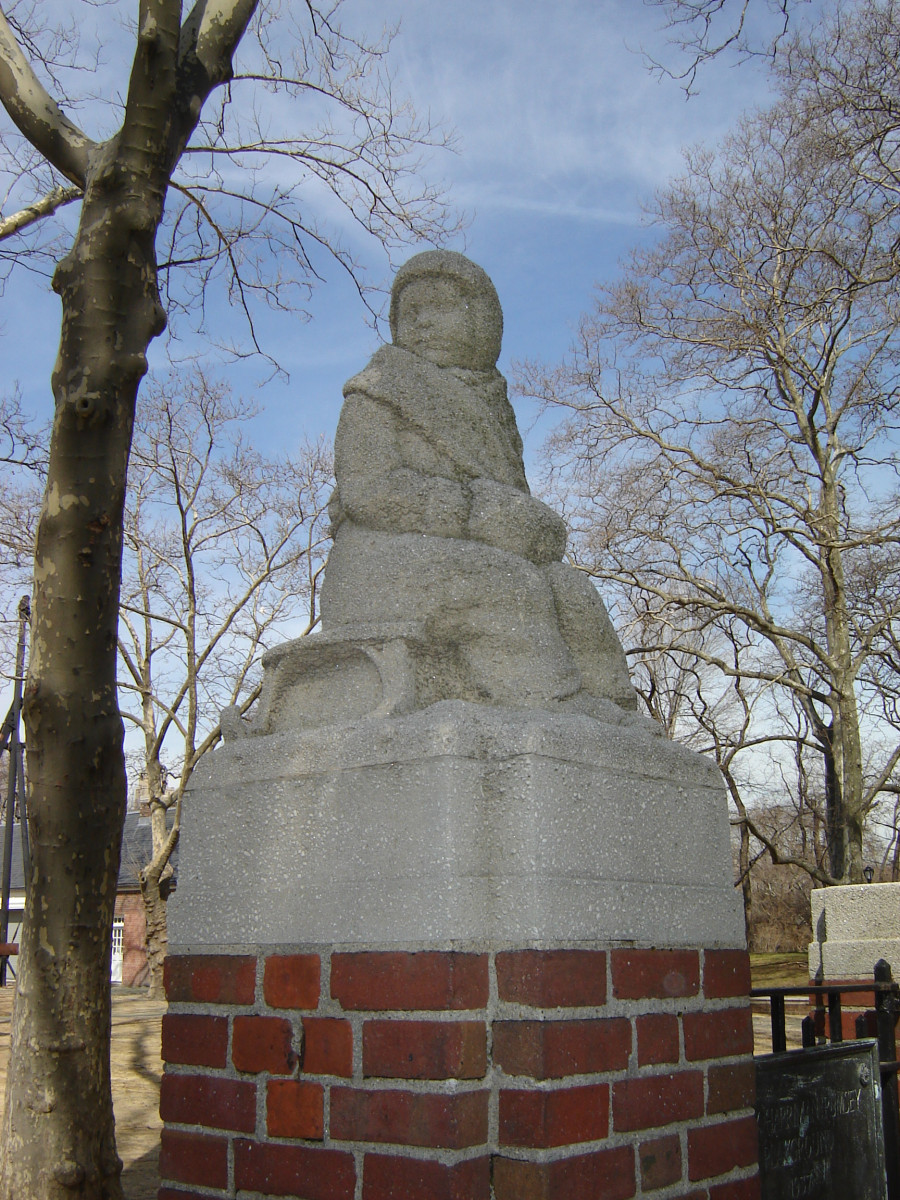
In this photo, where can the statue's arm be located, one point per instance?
(513, 520)
(379, 490)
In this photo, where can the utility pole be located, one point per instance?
(10, 740)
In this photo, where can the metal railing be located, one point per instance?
(828, 1003)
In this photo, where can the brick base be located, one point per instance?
(553, 1074)
(855, 1007)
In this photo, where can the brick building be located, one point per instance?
(129, 956)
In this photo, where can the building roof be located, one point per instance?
(136, 846)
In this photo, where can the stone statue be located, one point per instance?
(446, 578)
(455, 759)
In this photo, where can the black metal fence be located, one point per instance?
(825, 1024)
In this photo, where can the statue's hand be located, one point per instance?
(504, 517)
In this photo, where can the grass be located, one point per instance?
(779, 970)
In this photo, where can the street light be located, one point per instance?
(869, 873)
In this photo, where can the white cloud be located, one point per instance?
(555, 98)
(562, 133)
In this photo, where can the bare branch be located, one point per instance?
(211, 33)
(702, 30)
(37, 114)
(46, 206)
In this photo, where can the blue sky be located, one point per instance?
(562, 135)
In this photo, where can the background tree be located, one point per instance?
(729, 443)
(186, 161)
(778, 821)
(700, 30)
(224, 549)
(22, 464)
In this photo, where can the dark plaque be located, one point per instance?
(820, 1127)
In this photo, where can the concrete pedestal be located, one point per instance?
(853, 927)
(462, 953)
(456, 822)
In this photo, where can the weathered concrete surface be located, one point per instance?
(461, 821)
(853, 927)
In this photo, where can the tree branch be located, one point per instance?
(45, 207)
(787, 860)
(36, 114)
(212, 30)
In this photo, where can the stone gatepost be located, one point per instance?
(854, 926)
(452, 920)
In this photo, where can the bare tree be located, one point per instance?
(22, 465)
(729, 717)
(844, 82)
(182, 164)
(701, 30)
(730, 438)
(222, 547)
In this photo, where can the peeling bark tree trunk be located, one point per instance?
(59, 1137)
(724, 765)
(156, 885)
(59, 1129)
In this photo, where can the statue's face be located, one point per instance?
(436, 320)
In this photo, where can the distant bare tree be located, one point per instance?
(729, 443)
(700, 30)
(224, 549)
(22, 464)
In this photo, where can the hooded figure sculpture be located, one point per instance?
(446, 578)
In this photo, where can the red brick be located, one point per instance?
(848, 1019)
(327, 1046)
(655, 974)
(216, 1103)
(858, 1001)
(397, 981)
(291, 980)
(280, 1170)
(726, 973)
(450, 1122)
(715, 1149)
(717, 1034)
(193, 1158)
(195, 1041)
(554, 1049)
(657, 1038)
(425, 1049)
(660, 1162)
(295, 1109)
(517, 1179)
(210, 978)
(603, 1175)
(738, 1189)
(394, 1178)
(559, 1118)
(731, 1087)
(848, 1023)
(654, 1100)
(553, 978)
(262, 1044)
